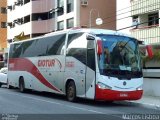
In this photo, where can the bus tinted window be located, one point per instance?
(29, 49)
(51, 45)
(77, 46)
(56, 44)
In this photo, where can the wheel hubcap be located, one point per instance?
(71, 92)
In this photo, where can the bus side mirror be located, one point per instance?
(90, 37)
(99, 47)
(149, 51)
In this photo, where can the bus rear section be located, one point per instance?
(119, 74)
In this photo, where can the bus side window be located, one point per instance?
(77, 46)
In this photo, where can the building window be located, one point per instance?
(153, 19)
(3, 10)
(70, 23)
(135, 19)
(26, 1)
(60, 6)
(27, 19)
(42, 16)
(60, 25)
(3, 25)
(70, 7)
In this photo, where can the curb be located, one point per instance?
(147, 105)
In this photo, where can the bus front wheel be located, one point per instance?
(71, 91)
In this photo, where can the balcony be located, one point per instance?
(43, 26)
(141, 7)
(42, 6)
(150, 34)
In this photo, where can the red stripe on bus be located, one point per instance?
(112, 95)
(22, 64)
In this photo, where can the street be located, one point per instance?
(40, 105)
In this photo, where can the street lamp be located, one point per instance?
(99, 20)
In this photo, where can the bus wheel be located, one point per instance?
(21, 85)
(0, 84)
(71, 91)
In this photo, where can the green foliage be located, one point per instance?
(156, 57)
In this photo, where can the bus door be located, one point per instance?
(90, 70)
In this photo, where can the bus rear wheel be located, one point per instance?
(21, 85)
(71, 91)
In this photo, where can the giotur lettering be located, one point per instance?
(46, 63)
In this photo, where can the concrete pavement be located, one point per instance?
(149, 101)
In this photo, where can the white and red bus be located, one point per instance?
(87, 63)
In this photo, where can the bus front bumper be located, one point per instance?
(112, 95)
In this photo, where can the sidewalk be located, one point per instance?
(149, 101)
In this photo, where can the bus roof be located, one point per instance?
(88, 30)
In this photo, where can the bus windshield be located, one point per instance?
(120, 57)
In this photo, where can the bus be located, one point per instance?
(95, 64)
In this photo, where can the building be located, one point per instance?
(123, 13)
(31, 18)
(145, 14)
(3, 29)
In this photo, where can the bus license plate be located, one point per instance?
(123, 95)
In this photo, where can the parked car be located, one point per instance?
(3, 76)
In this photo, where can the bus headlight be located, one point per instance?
(139, 88)
(103, 86)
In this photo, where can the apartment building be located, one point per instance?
(123, 11)
(32, 18)
(3, 29)
(145, 14)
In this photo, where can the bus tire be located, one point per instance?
(71, 91)
(0, 84)
(21, 85)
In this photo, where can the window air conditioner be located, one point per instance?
(9, 24)
(84, 2)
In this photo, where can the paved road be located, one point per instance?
(39, 106)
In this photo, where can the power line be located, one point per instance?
(132, 5)
(137, 24)
(155, 4)
(150, 37)
(126, 8)
(131, 16)
(130, 10)
(151, 5)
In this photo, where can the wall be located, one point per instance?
(3, 31)
(151, 87)
(106, 8)
(123, 11)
